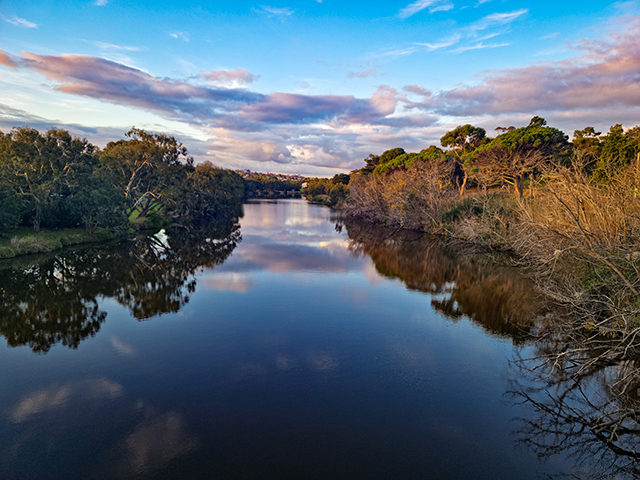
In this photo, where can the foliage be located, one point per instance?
(463, 140)
(519, 154)
(270, 186)
(328, 191)
(54, 181)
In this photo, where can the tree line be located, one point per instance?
(469, 157)
(53, 180)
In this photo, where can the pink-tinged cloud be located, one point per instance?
(5, 59)
(235, 109)
(112, 82)
(607, 73)
(239, 76)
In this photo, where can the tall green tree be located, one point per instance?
(462, 141)
(616, 153)
(515, 155)
(587, 141)
(144, 166)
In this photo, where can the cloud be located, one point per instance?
(319, 134)
(101, 3)
(420, 5)
(441, 8)
(364, 73)
(229, 108)
(469, 32)
(7, 60)
(443, 44)
(229, 78)
(605, 74)
(122, 348)
(271, 12)
(478, 46)
(54, 398)
(496, 19)
(111, 46)
(20, 22)
(180, 35)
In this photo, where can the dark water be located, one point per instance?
(293, 348)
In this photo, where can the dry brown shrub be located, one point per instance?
(411, 199)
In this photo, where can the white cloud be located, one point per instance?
(478, 46)
(416, 7)
(272, 12)
(497, 19)
(180, 35)
(20, 22)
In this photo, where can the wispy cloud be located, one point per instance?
(20, 22)
(271, 12)
(180, 35)
(419, 5)
(478, 46)
(496, 19)
(443, 44)
(441, 8)
(364, 73)
(471, 33)
(111, 46)
(101, 3)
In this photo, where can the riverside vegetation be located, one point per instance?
(569, 213)
(71, 192)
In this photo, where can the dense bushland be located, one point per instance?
(53, 181)
(568, 211)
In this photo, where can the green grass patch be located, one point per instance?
(25, 241)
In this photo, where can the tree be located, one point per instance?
(616, 153)
(144, 166)
(633, 140)
(342, 178)
(372, 161)
(587, 141)
(515, 155)
(463, 140)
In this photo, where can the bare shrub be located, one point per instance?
(412, 199)
(578, 223)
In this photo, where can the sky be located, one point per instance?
(315, 86)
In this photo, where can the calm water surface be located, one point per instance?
(300, 350)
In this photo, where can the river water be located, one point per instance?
(296, 347)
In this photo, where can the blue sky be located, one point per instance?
(313, 86)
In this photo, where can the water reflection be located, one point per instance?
(497, 298)
(55, 299)
(585, 409)
(306, 363)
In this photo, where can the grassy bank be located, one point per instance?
(26, 241)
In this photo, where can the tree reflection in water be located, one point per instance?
(585, 409)
(54, 299)
(583, 385)
(497, 298)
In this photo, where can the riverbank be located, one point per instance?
(25, 241)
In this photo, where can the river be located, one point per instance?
(294, 347)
